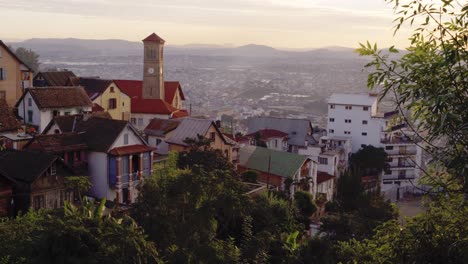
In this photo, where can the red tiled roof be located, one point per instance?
(97, 108)
(323, 177)
(152, 106)
(180, 114)
(170, 91)
(268, 133)
(127, 150)
(58, 97)
(155, 38)
(134, 89)
(158, 126)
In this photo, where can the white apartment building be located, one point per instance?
(357, 116)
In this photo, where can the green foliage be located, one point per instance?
(439, 235)
(369, 160)
(355, 213)
(305, 204)
(258, 141)
(75, 235)
(249, 176)
(430, 79)
(78, 184)
(29, 57)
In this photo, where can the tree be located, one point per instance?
(355, 213)
(430, 80)
(29, 57)
(78, 184)
(249, 176)
(75, 235)
(369, 160)
(306, 206)
(258, 140)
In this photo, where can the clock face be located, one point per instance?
(150, 70)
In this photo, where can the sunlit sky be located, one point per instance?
(277, 23)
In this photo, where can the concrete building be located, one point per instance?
(357, 116)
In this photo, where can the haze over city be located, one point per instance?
(295, 24)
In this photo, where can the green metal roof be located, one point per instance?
(284, 164)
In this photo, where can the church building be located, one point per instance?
(153, 97)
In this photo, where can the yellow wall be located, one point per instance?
(12, 85)
(122, 112)
(218, 144)
(177, 101)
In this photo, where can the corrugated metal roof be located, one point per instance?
(282, 163)
(352, 99)
(297, 129)
(189, 128)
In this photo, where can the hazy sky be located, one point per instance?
(278, 23)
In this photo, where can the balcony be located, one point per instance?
(398, 177)
(401, 165)
(397, 141)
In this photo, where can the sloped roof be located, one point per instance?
(8, 121)
(14, 55)
(268, 133)
(180, 114)
(155, 38)
(58, 97)
(297, 129)
(323, 177)
(191, 128)
(100, 134)
(132, 149)
(160, 127)
(56, 78)
(134, 89)
(282, 163)
(58, 143)
(93, 86)
(24, 166)
(352, 99)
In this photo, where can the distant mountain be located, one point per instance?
(115, 47)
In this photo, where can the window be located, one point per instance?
(323, 160)
(364, 133)
(112, 89)
(123, 103)
(364, 122)
(30, 116)
(67, 113)
(388, 172)
(276, 143)
(331, 131)
(55, 113)
(213, 136)
(347, 132)
(133, 120)
(38, 202)
(389, 159)
(365, 108)
(347, 120)
(125, 139)
(53, 170)
(140, 122)
(332, 106)
(348, 107)
(331, 119)
(2, 74)
(29, 102)
(389, 148)
(158, 141)
(112, 103)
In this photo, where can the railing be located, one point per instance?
(398, 177)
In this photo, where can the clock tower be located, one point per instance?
(153, 67)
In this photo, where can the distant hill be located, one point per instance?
(114, 47)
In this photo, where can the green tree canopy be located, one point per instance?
(29, 57)
(369, 160)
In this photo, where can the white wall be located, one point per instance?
(99, 175)
(357, 115)
(36, 112)
(133, 139)
(162, 148)
(277, 143)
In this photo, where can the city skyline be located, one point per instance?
(296, 24)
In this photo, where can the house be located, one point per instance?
(106, 96)
(158, 130)
(325, 185)
(357, 116)
(273, 139)
(287, 171)
(40, 105)
(53, 78)
(299, 130)
(15, 75)
(192, 128)
(117, 157)
(153, 97)
(37, 180)
(8, 121)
